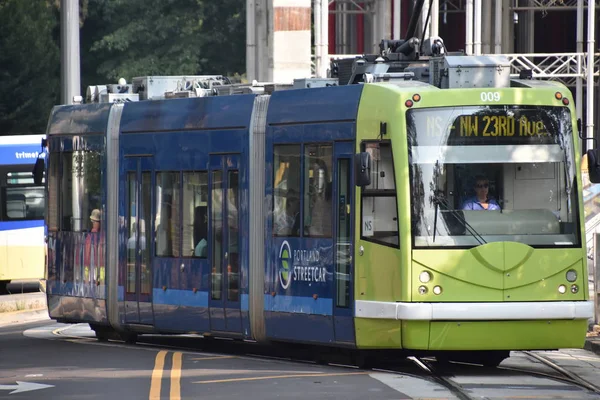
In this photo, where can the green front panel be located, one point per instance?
(500, 271)
(507, 335)
(377, 333)
(415, 334)
(460, 274)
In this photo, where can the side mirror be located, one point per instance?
(593, 165)
(38, 171)
(362, 169)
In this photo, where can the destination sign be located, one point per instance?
(441, 127)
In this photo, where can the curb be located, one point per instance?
(592, 345)
(22, 317)
(22, 302)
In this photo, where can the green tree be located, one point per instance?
(29, 65)
(128, 38)
(224, 22)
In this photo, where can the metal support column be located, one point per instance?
(318, 46)
(595, 277)
(435, 18)
(469, 27)
(70, 74)
(486, 27)
(397, 10)
(425, 31)
(579, 49)
(589, 125)
(477, 28)
(325, 37)
(507, 27)
(498, 27)
(250, 41)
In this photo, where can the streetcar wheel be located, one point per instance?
(128, 337)
(102, 333)
(102, 336)
(493, 359)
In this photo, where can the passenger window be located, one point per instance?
(167, 196)
(379, 205)
(317, 190)
(195, 214)
(81, 190)
(286, 190)
(53, 184)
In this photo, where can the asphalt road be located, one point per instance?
(46, 360)
(76, 366)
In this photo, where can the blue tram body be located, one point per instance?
(166, 175)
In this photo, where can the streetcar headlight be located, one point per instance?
(571, 275)
(562, 289)
(437, 290)
(422, 289)
(424, 277)
(574, 289)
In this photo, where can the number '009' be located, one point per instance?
(490, 96)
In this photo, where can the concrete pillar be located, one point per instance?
(263, 36)
(291, 51)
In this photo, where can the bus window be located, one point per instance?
(24, 203)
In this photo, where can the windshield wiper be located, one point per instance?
(456, 214)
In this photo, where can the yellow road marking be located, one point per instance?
(157, 375)
(258, 378)
(212, 358)
(176, 377)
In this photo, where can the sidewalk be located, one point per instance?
(20, 308)
(592, 342)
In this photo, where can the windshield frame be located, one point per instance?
(570, 182)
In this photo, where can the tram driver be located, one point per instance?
(481, 200)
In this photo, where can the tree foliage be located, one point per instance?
(118, 38)
(165, 37)
(29, 65)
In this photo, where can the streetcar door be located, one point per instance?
(225, 220)
(138, 274)
(343, 243)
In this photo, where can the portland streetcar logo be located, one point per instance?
(300, 265)
(285, 265)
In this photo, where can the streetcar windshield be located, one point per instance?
(481, 174)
